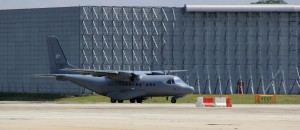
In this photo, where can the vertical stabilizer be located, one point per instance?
(57, 58)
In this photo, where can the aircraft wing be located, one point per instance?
(116, 75)
(93, 72)
(113, 72)
(121, 75)
(169, 71)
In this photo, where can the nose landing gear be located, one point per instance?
(173, 100)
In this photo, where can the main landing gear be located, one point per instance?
(114, 101)
(138, 100)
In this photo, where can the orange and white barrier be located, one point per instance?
(220, 102)
(213, 102)
(228, 102)
(199, 102)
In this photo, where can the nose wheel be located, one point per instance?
(173, 100)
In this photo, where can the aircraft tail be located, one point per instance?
(57, 58)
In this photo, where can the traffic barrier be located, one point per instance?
(228, 102)
(265, 99)
(199, 102)
(208, 102)
(212, 102)
(220, 101)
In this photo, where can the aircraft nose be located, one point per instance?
(192, 90)
(189, 89)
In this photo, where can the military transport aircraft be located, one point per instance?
(118, 85)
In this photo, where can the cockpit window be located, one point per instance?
(179, 81)
(176, 80)
(170, 81)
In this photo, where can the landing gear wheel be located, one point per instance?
(139, 100)
(132, 100)
(173, 100)
(113, 100)
(120, 101)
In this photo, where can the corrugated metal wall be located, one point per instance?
(23, 50)
(220, 50)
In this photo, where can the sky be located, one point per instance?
(22, 4)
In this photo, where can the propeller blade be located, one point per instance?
(170, 67)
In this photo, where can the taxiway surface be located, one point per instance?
(50, 116)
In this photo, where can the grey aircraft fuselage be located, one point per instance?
(119, 85)
(151, 85)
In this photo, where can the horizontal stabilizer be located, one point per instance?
(56, 76)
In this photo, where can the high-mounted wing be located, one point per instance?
(116, 75)
(121, 75)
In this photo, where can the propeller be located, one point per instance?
(166, 72)
(170, 67)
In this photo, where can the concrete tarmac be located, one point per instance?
(105, 116)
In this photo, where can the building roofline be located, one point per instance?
(242, 8)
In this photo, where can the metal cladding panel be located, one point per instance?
(242, 8)
(251, 49)
(221, 47)
(23, 50)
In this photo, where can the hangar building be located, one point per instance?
(226, 49)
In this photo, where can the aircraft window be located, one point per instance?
(146, 84)
(153, 84)
(169, 81)
(173, 81)
(140, 84)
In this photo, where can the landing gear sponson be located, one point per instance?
(140, 100)
(137, 100)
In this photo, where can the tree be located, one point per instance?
(270, 2)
